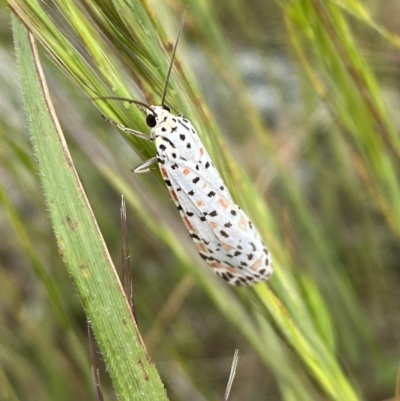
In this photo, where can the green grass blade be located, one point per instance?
(79, 239)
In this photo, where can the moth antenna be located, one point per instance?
(173, 57)
(124, 99)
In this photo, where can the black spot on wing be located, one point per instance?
(208, 258)
(183, 125)
(165, 139)
(227, 276)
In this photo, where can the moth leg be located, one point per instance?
(145, 166)
(129, 130)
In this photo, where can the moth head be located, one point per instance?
(156, 114)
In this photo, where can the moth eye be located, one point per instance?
(151, 120)
(166, 108)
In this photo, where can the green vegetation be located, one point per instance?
(318, 175)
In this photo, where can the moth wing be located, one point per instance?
(223, 234)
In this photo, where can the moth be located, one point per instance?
(224, 236)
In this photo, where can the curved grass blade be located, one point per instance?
(80, 241)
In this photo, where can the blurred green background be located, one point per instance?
(306, 96)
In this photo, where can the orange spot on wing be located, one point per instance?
(164, 173)
(213, 224)
(227, 247)
(216, 265)
(186, 171)
(243, 223)
(187, 223)
(222, 201)
(258, 263)
(201, 247)
(201, 150)
(173, 194)
(199, 203)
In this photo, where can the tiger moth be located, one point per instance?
(224, 236)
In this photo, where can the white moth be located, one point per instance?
(223, 234)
